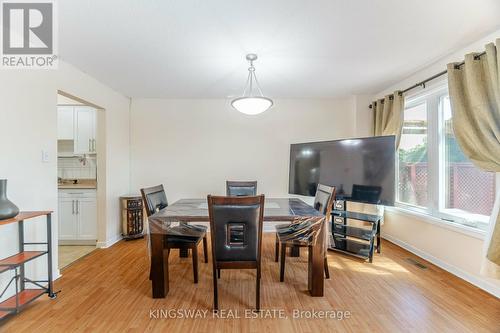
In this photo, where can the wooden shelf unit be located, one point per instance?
(24, 297)
(21, 258)
(16, 263)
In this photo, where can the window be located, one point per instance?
(413, 168)
(434, 176)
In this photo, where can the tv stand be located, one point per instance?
(358, 241)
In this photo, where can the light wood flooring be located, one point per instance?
(70, 253)
(109, 291)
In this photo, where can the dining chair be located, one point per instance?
(239, 188)
(236, 236)
(183, 237)
(323, 202)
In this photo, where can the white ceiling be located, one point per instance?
(307, 49)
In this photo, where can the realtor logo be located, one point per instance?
(28, 34)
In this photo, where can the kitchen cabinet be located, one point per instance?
(84, 130)
(87, 216)
(77, 216)
(78, 123)
(67, 219)
(65, 123)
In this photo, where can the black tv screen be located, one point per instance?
(361, 169)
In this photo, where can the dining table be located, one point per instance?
(196, 210)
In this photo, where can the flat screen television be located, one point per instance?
(362, 170)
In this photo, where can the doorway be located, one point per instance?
(78, 181)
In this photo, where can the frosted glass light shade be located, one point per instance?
(252, 105)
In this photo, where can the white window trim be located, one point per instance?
(427, 218)
(434, 213)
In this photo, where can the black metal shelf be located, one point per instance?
(350, 246)
(357, 216)
(350, 231)
(354, 240)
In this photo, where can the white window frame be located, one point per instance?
(411, 102)
(436, 185)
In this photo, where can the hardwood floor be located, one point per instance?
(109, 291)
(71, 253)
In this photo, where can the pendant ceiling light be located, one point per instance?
(252, 101)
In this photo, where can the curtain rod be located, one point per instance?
(435, 76)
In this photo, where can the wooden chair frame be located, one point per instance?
(168, 244)
(328, 215)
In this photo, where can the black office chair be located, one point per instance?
(238, 188)
(181, 237)
(323, 202)
(236, 235)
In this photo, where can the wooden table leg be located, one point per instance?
(316, 257)
(159, 267)
(294, 251)
(183, 252)
(379, 244)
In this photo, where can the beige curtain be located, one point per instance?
(475, 99)
(388, 115)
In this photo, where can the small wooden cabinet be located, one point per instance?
(132, 216)
(77, 216)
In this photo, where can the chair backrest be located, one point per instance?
(323, 200)
(154, 199)
(236, 228)
(238, 189)
(365, 193)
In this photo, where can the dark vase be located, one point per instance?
(7, 208)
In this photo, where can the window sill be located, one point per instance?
(463, 229)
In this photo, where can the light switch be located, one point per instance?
(45, 156)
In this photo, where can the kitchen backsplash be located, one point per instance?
(76, 168)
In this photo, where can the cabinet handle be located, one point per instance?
(90, 145)
(77, 207)
(73, 207)
(93, 145)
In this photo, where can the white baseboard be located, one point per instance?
(77, 242)
(475, 280)
(110, 242)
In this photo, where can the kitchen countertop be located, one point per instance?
(82, 184)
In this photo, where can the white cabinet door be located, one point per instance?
(87, 218)
(84, 132)
(65, 123)
(68, 229)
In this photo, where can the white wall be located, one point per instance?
(28, 125)
(194, 146)
(458, 252)
(364, 115)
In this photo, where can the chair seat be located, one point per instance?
(186, 233)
